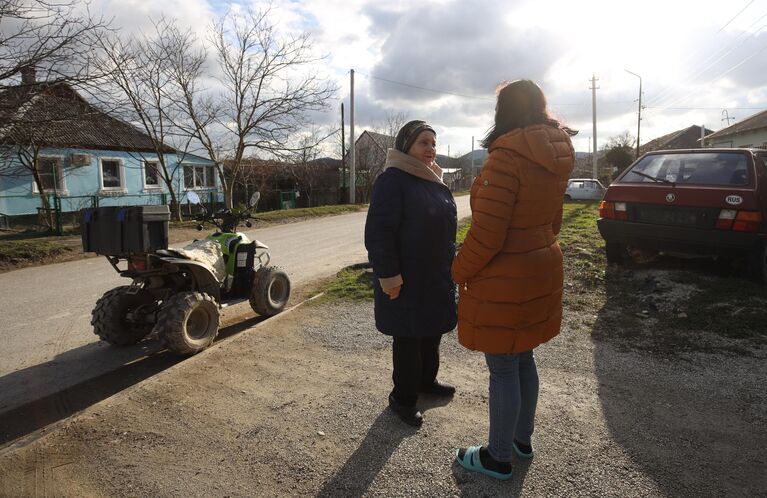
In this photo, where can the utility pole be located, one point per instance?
(639, 116)
(594, 172)
(343, 158)
(352, 150)
(727, 116)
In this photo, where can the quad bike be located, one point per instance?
(177, 294)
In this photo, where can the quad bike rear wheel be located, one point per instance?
(270, 292)
(188, 322)
(110, 316)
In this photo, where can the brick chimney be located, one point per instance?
(28, 75)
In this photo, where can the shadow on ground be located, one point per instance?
(680, 362)
(362, 467)
(118, 369)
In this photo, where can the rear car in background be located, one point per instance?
(698, 201)
(584, 189)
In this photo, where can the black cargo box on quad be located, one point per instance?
(121, 230)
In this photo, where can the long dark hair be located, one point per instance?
(520, 103)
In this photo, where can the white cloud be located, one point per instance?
(694, 62)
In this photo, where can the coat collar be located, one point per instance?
(411, 165)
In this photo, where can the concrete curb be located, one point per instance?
(55, 426)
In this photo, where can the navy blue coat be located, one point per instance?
(410, 230)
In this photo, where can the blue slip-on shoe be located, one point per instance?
(522, 454)
(471, 461)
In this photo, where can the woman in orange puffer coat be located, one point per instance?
(509, 270)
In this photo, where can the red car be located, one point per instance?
(697, 201)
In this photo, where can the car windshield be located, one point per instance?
(715, 168)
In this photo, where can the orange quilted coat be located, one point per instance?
(509, 269)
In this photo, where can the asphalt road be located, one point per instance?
(46, 340)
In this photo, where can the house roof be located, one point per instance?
(755, 122)
(381, 140)
(686, 138)
(57, 116)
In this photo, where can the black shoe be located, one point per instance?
(439, 389)
(408, 414)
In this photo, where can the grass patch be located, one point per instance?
(25, 252)
(351, 284)
(463, 229)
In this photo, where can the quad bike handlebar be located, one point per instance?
(224, 219)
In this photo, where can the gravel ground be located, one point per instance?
(297, 407)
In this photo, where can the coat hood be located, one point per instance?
(545, 145)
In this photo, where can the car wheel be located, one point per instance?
(568, 198)
(758, 264)
(615, 252)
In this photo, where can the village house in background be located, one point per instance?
(370, 151)
(687, 138)
(750, 132)
(52, 139)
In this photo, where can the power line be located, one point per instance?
(709, 65)
(432, 90)
(736, 15)
(463, 95)
(701, 108)
(666, 93)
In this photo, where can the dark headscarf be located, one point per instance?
(409, 132)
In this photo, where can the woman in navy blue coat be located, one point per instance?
(410, 238)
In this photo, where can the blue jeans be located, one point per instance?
(513, 398)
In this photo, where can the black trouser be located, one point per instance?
(416, 362)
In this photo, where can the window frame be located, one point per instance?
(121, 168)
(144, 164)
(209, 172)
(62, 187)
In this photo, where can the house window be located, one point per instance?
(112, 177)
(51, 174)
(151, 174)
(196, 177)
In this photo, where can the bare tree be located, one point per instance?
(371, 160)
(50, 37)
(45, 50)
(304, 164)
(142, 79)
(390, 125)
(265, 91)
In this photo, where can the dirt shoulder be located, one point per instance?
(653, 388)
(297, 406)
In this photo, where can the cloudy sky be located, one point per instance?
(441, 60)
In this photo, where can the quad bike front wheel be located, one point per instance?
(117, 317)
(271, 291)
(188, 322)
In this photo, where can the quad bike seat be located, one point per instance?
(204, 251)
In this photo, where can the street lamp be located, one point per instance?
(639, 118)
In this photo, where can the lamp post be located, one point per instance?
(639, 114)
